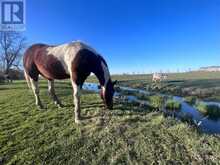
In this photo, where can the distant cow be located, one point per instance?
(158, 77)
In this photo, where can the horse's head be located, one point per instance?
(107, 93)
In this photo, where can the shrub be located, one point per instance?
(173, 105)
(156, 101)
(202, 107)
(190, 99)
(211, 110)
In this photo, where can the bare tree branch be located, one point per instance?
(11, 46)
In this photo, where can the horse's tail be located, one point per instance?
(27, 77)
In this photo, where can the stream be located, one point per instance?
(205, 124)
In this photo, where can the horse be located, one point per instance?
(76, 61)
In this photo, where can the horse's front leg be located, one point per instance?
(51, 91)
(76, 96)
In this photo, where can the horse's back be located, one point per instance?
(57, 62)
(58, 50)
(31, 51)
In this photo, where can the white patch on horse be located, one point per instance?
(66, 53)
(103, 90)
(83, 45)
(106, 73)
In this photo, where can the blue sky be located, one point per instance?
(132, 35)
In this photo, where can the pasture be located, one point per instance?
(203, 85)
(128, 134)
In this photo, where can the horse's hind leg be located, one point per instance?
(76, 95)
(51, 91)
(35, 88)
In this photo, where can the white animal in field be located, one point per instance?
(158, 77)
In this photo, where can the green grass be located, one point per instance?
(125, 135)
(190, 99)
(139, 95)
(173, 105)
(212, 111)
(156, 101)
(204, 85)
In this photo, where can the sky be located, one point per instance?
(139, 36)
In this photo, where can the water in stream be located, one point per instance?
(205, 124)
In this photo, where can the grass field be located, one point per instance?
(125, 135)
(204, 85)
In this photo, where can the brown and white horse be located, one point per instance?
(74, 60)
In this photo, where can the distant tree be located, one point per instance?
(12, 45)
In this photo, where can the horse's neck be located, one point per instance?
(102, 73)
(101, 79)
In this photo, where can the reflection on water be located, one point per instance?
(206, 124)
(91, 87)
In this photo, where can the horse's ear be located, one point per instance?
(114, 82)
